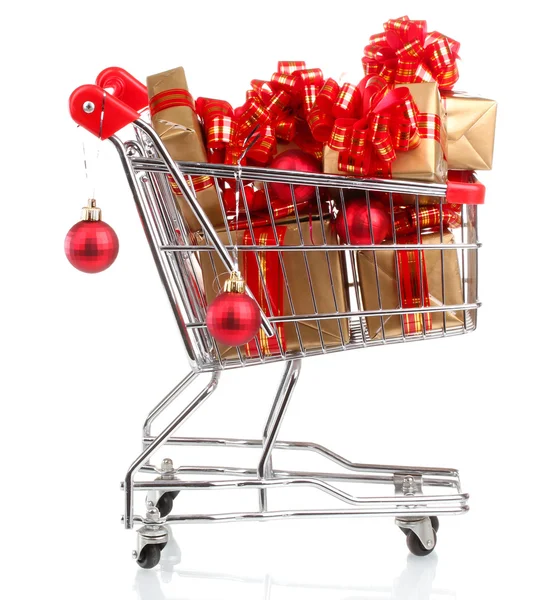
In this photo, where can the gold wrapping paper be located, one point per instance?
(181, 132)
(327, 300)
(471, 123)
(426, 162)
(387, 283)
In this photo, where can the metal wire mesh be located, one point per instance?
(322, 293)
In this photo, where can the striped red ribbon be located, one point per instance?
(266, 278)
(170, 99)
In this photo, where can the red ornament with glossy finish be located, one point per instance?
(91, 246)
(294, 160)
(358, 224)
(233, 318)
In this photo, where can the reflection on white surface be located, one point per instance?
(414, 583)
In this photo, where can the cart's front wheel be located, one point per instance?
(434, 522)
(165, 503)
(150, 556)
(416, 546)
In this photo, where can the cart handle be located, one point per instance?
(103, 115)
(125, 87)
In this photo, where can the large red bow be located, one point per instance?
(405, 53)
(382, 122)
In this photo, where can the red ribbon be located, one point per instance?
(405, 53)
(375, 123)
(268, 277)
(277, 109)
(413, 280)
(412, 266)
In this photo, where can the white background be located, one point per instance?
(86, 357)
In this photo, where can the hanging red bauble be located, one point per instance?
(91, 245)
(233, 317)
(294, 160)
(357, 221)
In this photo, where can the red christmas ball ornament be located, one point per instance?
(233, 317)
(358, 225)
(294, 160)
(230, 199)
(91, 245)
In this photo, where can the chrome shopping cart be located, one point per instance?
(335, 296)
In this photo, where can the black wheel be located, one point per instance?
(165, 503)
(150, 556)
(416, 547)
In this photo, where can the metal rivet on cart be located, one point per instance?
(88, 107)
(134, 554)
(429, 543)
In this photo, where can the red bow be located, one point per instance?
(277, 109)
(381, 122)
(405, 53)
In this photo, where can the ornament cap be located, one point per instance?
(91, 212)
(235, 283)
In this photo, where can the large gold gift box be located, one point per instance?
(174, 119)
(297, 298)
(387, 284)
(424, 163)
(471, 123)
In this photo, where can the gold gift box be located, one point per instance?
(424, 163)
(387, 283)
(323, 267)
(179, 129)
(471, 123)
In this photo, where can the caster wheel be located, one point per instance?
(150, 556)
(166, 503)
(416, 547)
(434, 522)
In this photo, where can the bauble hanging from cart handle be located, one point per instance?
(91, 245)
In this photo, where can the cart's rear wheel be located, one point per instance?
(165, 503)
(150, 556)
(415, 545)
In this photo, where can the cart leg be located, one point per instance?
(159, 441)
(272, 427)
(165, 403)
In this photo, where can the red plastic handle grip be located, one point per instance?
(99, 112)
(125, 87)
(463, 188)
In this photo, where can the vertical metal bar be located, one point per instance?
(351, 252)
(443, 278)
(327, 254)
(275, 419)
(377, 274)
(396, 266)
(283, 268)
(259, 267)
(307, 269)
(159, 441)
(420, 259)
(464, 278)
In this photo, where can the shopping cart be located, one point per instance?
(360, 323)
